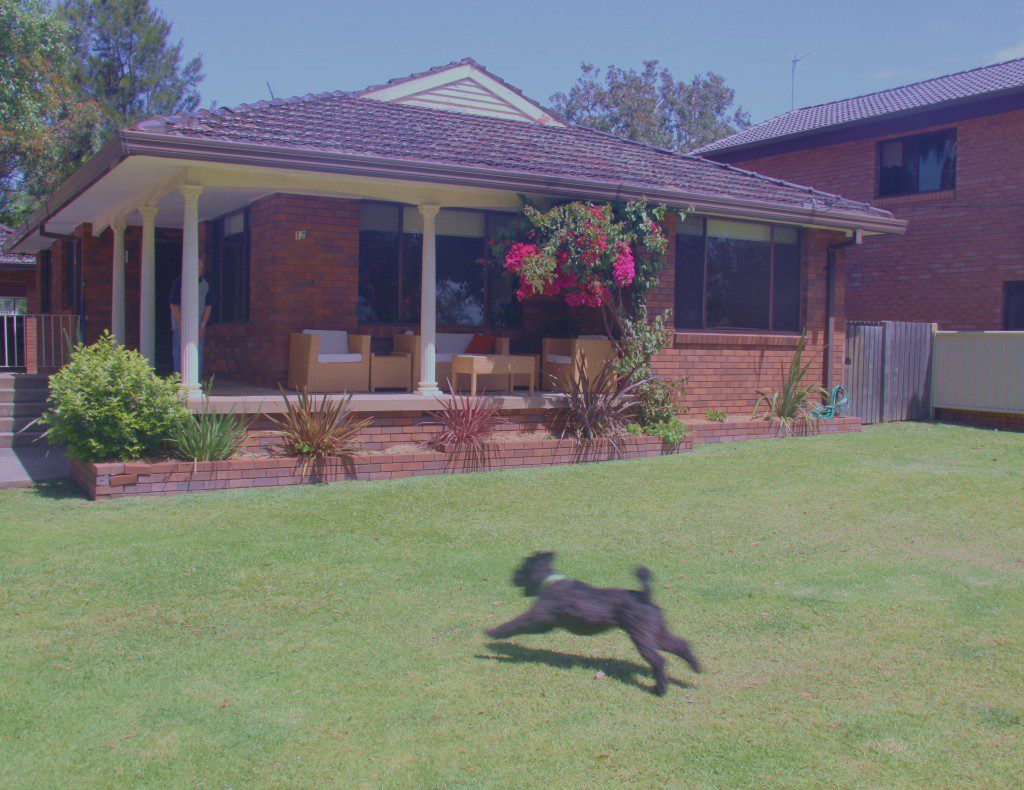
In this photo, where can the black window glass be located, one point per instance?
(923, 163)
(690, 274)
(378, 263)
(470, 291)
(1013, 318)
(45, 282)
(503, 308)
(786, 280)
(228, 268)
(738, 275)
(460, 268)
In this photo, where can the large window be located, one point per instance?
(227, 267)
(1013, 317)
(737, 275)
(470, 293)
(923, 163)
(45, 282)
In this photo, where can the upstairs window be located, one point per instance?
(228, 267)
(737, 275)
(912, 165)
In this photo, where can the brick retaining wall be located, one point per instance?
(108, 480)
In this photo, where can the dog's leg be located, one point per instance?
(532, 621)
(676, 644)
(645, 641)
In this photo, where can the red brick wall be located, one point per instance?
(19, 282)
(960, 247)
(294, 285)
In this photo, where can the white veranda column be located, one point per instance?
(428, 303)
(147, 284)
(117, 283)
(190, 291)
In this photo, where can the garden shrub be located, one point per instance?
(107, 403)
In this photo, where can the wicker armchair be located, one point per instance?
(559, 359)
(321, 360)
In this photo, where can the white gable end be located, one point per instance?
(466, 89)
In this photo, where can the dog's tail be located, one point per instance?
(644, 576)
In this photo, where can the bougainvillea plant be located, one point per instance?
(603, 256)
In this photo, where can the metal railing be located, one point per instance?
(36, 341)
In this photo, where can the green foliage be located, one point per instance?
(126, 62)
(716, 416)
(208, 436)
(652, 107)
(795, 401)
(45, 130)
(315, 430)
(658, 399)
(671, 432)
(107, 404)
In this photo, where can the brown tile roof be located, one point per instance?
(339, 122)
(973, 83)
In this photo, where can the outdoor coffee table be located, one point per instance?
(510, 365)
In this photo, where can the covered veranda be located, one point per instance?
(147, 196)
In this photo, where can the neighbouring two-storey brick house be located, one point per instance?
(945, 154)
(369, 212)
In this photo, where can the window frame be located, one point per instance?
(947, 133)
(487, 215)
(771, 283)
(45, 282)
(215, 260)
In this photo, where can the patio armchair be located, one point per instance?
(446, 346)
(559, 358)
(328, 360)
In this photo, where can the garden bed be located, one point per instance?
(108, 480)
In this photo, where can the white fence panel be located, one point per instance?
(978, 371)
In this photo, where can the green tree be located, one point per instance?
(651, 106)
(126, 62)
(45, 130)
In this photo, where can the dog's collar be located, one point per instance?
(554, 577)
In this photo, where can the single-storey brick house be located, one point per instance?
(945, 154)
(368, 212)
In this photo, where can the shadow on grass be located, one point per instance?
(622, 671)
(58, 489)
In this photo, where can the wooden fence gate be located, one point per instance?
(888, 370)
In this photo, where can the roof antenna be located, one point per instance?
(272, 96)
(792, 78)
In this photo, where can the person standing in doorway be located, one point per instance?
(204, 318)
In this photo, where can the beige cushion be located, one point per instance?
(332, 341)
(339, 358)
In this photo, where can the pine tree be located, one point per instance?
(126, 62)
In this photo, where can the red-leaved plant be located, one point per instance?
(466, 424)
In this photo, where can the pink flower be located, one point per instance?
(518, 255)
(624, 267)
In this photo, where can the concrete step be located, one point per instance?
(15, 424)
(27, 439)
(22, 408)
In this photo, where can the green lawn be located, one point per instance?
(858, 602)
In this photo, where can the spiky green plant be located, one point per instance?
(795, 401)
(208, 435)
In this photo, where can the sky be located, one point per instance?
(301, 46)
